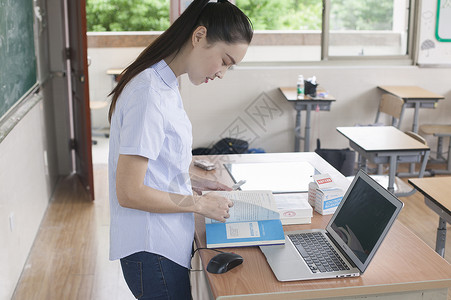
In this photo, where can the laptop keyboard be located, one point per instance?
(319, 255)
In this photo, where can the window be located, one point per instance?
(368, 28)
(315, 30)
(289, 31)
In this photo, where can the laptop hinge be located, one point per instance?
(342, 251)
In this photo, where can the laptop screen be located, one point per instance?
(363, 219)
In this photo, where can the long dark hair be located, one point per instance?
(224, 22)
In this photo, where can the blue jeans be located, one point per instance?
(151, 276)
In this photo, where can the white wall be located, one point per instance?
(25, 191)
(219, 103)
(101, 84)
(221, 106)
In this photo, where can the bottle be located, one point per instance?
(300, 87)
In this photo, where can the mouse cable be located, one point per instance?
(192, 255)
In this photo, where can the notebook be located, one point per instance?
(355, 232)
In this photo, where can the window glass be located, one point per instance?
(368, 28)
(127, 15)
(287, 30)
(283, 14)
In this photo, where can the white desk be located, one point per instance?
(385, 144)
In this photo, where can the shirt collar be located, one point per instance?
(166, 73)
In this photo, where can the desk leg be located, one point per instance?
(362, 163)
(415, 117)
(297, 131)
(415, 129)
(307, 128)
(441, 238)
(392, 173)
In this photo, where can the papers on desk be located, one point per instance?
(294, 208)
(279, 177)
(254, 220)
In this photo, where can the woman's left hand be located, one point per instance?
(201, 184)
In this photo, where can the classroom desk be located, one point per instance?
(437, 191)
(404, 267)
(308, 104)
(414, 97)
(385, 144)
(115, 74)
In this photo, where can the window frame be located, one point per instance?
(266, 38)
(289, 38)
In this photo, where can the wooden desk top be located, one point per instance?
(290, 94)
(403, 263)
(381, 138)
(438, 189)
(410, 92)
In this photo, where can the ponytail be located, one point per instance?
(223, 20)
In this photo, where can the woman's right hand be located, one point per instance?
(214, 206)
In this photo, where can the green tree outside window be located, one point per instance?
(127, 15)
(153, 15)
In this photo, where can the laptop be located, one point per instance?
(351, 239)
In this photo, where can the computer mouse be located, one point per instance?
(224, 262)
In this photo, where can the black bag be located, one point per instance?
(341, 159)
(230, 146)
(224, 146)
(201, 151)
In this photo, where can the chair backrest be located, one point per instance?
(417, 137)
(392, 106)
(425, 155)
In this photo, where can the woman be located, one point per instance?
(151, 198)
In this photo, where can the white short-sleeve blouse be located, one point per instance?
(149, 120)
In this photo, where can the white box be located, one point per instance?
(320, 181)
(324, 195)
(328, 200)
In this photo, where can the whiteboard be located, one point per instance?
(435, 34)
(443, 27)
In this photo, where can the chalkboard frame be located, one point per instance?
(18, 111)
(437, 26)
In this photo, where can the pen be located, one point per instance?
(237, 185)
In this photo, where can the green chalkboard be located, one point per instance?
(17, 52)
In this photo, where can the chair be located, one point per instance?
(392, 106)
(440, 131)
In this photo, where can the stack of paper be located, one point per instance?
(294, 208)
